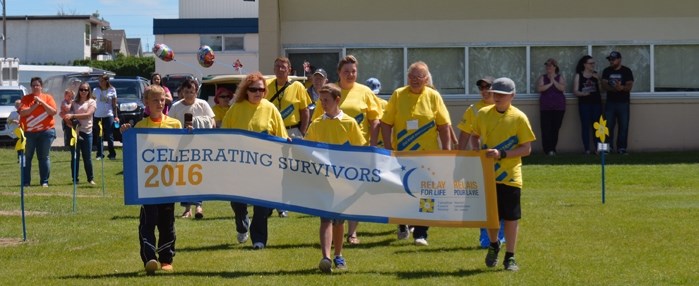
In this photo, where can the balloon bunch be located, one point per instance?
(205, 56)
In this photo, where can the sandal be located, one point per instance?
(353, 240)
(187, 214)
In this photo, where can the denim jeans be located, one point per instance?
(618, 112)
(84, 147)
(589, 114)
(107, 132)
(39, 142)
(258, 225)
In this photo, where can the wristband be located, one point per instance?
(503, 154)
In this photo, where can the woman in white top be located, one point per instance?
(105, 112)
(81, 112)
(202, 117)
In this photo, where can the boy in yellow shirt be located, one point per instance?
(506, 135)
(160, 215)
(333, 127)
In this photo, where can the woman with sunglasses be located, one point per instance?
(552, 105)
(587, 87)
(36, 118)
(252, 112)
(81, 111)
(222, 99)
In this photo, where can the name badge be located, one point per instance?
(412, 124)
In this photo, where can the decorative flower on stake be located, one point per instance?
(22, 141)
(601, 129)
(238, 65)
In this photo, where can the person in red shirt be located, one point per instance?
(36, 118)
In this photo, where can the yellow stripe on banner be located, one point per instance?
(491, 196)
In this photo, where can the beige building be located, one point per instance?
(462, 41)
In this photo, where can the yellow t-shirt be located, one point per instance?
(165, 122)
(504, 131)
(290, 102)
(415, 118)
(339, 130)
(382, 103)
(263, 117)
(466, 124)
(359, 103)
(219, 112)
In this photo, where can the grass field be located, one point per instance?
(645, 234)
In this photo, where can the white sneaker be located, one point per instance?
(258, 245)
(242, 237)
(151, 266)
(421, 242)
(45, 185)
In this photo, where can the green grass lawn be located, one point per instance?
(645, 234)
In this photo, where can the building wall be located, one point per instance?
(311, 24)
(46, 41)
(217, 9)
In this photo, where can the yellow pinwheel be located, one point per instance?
(601, 130)
(21, 140)
(99, 123)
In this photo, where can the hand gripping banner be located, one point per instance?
(438, 188)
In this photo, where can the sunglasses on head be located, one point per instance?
(256, 89)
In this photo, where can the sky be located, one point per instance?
(133, 16)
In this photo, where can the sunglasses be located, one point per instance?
(83, 89)
(256, 89)
(224, 96)
(483, 87)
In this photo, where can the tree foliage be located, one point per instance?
(123, 66)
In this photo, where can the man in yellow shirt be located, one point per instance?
(290, 98)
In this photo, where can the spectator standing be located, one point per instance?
(617, 80)
(106, 113)
(318, 79)
(586, 86)
(552, 105)
(81, 112)
(36, 117)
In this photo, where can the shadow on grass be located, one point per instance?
(653, 158)
(300, 272)
(224, 246)
(438, 249)
(373, 234)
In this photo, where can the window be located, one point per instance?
(636, 58)
(87, 34)
(446, 66)
(325, 59)
(676, 68)
(219, 43)
(385, 64)
(498, 62)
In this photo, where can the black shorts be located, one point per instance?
(509, 207)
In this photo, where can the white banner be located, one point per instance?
(441, 188)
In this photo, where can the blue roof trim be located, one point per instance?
(206, 26)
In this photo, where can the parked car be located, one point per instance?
(129, 99)
(8, 96)
(173, 82)
(210, 83)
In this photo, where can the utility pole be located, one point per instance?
(4, 30)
